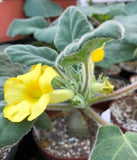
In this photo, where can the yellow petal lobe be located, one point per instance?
(14, 91)
(46, 78)
(30, 79)
(17, 113)
(39, 107)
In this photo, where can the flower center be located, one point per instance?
(34, 92)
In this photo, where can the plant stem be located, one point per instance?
(115, 94)
(60, 73)
(92, 114)
(95, 20)
(59, 106)
(86, 77)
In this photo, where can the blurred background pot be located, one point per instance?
(128, 69)
(65, 3)
(10, 10)
(124, 113)
(115, 70)
(133, 78)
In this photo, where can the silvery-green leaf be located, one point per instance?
(46, 35)
(116, 52)
(79, 50)
(43, 121)
(111, 144)
(72, 25)
(30, 55)
(130, 25)
(131, 8)
(2, 82)
(11, 133)
(3, 46)
(43, 8)
(26, 26)
(7, 68)
(112, 9)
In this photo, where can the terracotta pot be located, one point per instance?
(114, 112)
(65, 3)
(10, 10)
(49, 156)
(46, 154)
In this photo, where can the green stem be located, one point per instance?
(92, 114)
(59, 106)
(60, 73)
(95, 20)
(86, 77)
(115, 94)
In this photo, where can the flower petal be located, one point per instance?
(61, 95)
(46, 78)
(98, 54)
(30, 79)
(14, 91)
(17, 113)
(39, 107)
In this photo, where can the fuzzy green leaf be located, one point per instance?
(7, 68)
(44, 122)
(46, 35)
(76, 124)
(11, 133)
(26, 26)
(131, 8)
(79, 50)
(111, 144)
(130, 25)
(72, 25)
(2, 82)
(30, 55)
(42, 8)
(102, 9)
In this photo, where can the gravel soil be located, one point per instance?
(59, 143)
(124, 111)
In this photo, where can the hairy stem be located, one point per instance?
(60, 73)
(92, 114)
(86, 77)
(115, 94)
(95, 20)
(59, 106)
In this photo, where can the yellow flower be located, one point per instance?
(98, 54)
(28, 95)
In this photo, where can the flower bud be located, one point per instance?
(103, 88)
(98, 54)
